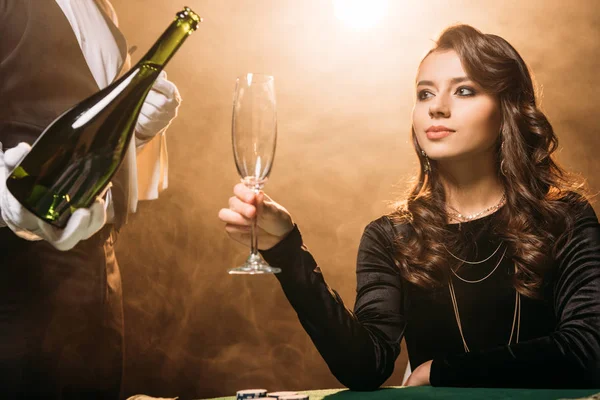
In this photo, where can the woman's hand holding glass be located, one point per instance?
(274, 221)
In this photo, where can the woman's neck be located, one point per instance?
(471, 185)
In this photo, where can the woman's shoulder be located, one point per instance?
(583, 226)
(577, 205)
(389, 227)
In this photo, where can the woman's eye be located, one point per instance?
(465, 91)
(424, 94)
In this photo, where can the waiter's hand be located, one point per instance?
(82, 224)
(274, 221)
(159, 108)
(420, 376)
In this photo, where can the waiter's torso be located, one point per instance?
(43, 71)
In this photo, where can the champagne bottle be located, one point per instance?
(74, 159)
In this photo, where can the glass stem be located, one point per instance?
(253, 232)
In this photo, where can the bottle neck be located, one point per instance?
(164, 48)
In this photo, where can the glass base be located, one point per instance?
(254, 265)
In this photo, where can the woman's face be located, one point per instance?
(453, 118)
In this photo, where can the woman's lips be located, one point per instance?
(434, 135)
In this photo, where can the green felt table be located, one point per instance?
(428, 392)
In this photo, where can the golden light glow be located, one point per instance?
(360, 14)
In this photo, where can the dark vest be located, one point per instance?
(42, 69)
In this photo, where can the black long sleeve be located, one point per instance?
(360, 347)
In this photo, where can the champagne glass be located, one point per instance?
(254, 137)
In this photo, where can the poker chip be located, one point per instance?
(250, 394)
(295, 397)
(279, 395)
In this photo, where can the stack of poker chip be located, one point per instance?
(250, 394)
(287, 396)
(262, 393)
(293, 396)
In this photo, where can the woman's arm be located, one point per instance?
(359, 347)
(570, 356)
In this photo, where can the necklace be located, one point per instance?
(515, 323)
(457, 215)
(473, 262)
(485, 277)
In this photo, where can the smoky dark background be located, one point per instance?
(344, 104)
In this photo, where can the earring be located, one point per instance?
(427, 163)
(502, 169)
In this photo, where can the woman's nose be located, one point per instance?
(439, 108)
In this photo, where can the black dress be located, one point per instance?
(558, 338)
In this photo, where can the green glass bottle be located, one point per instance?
(74, 159)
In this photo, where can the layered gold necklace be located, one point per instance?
(516, 322)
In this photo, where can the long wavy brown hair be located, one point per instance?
(540, 196)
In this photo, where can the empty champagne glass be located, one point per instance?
(254, 138)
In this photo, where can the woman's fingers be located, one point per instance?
(244, 193)
(240, 207)
(234, 218)
(237, 229)
(274, 221)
